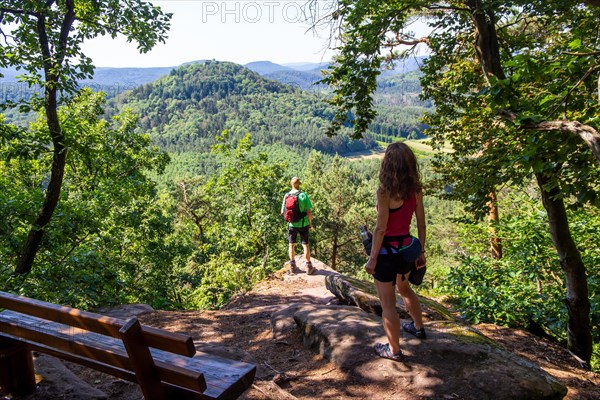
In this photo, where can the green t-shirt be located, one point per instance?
(304, 203)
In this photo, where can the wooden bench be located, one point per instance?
(164, 364)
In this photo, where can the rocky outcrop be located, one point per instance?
(358, 293)
(455, 361)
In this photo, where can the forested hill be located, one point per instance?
(188, 108)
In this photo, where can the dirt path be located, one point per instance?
(288, 370)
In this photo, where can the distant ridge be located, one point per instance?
(265, 67)
(306, 80)
(302, 66)
(190, 107)
(302, 75)
(128, 78)
(404, 66)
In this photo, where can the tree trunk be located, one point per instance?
(493, 219)
(334, 251)
(578, 305)
(59, 160)
(487, 47)
(488, 54)
(59, 156)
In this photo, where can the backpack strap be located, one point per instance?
(397, 238)
(388, 239)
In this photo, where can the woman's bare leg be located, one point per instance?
(411, 300)
(391, 320)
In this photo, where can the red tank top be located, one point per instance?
(399, 220)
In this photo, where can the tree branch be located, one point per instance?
(593, 53)
(447, 8)
(64, 31)
(583, 78)
(399, 41)
(16, 11)
(587, 133)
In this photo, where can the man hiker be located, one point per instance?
(296, 209)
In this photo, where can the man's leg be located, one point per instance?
(304, 237)
(292, 253)
(292, 235)
(306, 248)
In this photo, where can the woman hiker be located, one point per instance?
(399, 196)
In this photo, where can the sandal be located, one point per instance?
(384, 351)
(410, 328)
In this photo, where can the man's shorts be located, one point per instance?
(389, 266)
(293, 233)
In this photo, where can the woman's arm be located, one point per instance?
(383, 212)
(421, 226)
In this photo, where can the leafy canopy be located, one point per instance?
(44, 38)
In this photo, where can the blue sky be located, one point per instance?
(240, 31)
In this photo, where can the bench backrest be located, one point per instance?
(156, 338)
(156, 359)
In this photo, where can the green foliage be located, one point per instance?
(232, 221)
(543, 72)
(396, 122)
(45, 39)
(524, 289)
(66, 26)
(501, 292)
(102, 245)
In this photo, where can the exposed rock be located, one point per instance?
(125, 311)
(454, 360)
(355, 292)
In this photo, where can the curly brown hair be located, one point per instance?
(399, 175)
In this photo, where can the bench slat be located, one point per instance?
(157, 338)
(90, 345)
(179, 392)
(224, 378)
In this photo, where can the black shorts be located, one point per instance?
(293, 233)
(389, 266)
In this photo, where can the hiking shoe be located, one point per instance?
(309, 268)
(384, 351)
(410, 328)
(293, 268)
